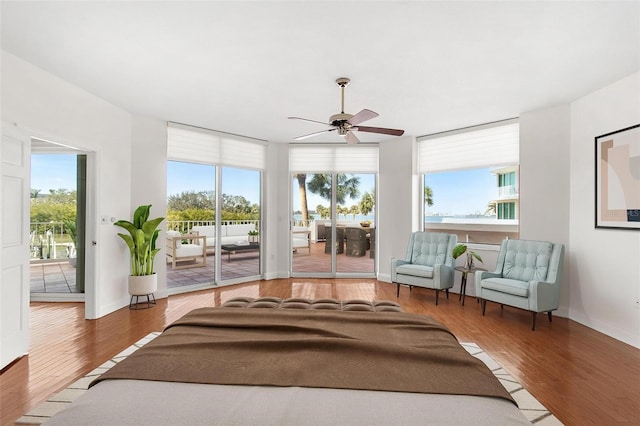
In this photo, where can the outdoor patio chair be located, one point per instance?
(339, 240)
(186, 247)
(356, 242)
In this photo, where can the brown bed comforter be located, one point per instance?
(389, 351)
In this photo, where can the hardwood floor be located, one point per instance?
(582, 376)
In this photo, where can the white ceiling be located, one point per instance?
(244, 67)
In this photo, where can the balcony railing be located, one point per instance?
(49, 241)
(510, 191)
(184, 226)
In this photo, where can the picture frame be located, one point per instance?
(617, 179)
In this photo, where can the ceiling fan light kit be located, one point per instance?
(345, 123)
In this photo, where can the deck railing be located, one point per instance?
(184, 226)
(49, 241)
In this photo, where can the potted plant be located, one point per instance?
(253, 236)
(460, 249)
(70, 227)
(141, 241)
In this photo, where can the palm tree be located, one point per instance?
(428, 196)
(320, 184)
(367, 202)
(342, 210)
(354, 210)
(323, 211)
(302, 189)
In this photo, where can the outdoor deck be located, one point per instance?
(60, 277)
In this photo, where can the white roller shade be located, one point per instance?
(482, 146)
(192, 144)
(333, 158)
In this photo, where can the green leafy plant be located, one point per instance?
(253, 232)
(460, 249)
(70, 227)
(141, 240)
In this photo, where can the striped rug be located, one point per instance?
(529, 406)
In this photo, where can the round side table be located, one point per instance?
(463, 283)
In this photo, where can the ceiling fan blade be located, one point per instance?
(384, 131)
(299, 138)
(362, 116)
(351, 138)
(306, 119)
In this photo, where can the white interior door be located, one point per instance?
(14, 281)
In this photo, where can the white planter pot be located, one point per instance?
(143, 284)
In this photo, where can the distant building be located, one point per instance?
(507, 201)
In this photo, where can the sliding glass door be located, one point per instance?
(191, 208)
(332, 229)
(240, 212)
(229, 223)
(355, 213)
(310, 230)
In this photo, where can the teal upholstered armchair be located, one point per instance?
(428, 262)
(528, 276)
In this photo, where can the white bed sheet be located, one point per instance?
(139, 402)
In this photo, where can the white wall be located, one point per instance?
(47, 107)
(396, 199)
(276, 217)
(149, 181)
(544, 183)
(605, 263)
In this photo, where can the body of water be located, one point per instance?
(358, 217)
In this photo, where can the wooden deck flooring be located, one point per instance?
(59, 277)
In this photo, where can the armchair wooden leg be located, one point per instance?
(398, 291)
(447, 292)
(483, 303)
(437, 293)
(533, 325)
(549, 314)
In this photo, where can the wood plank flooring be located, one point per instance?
(582, 376)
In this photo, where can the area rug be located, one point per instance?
(535, 412)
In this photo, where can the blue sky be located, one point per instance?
(53, 172)
(461, 192)
(182, 177)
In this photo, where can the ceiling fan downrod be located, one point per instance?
(342, 82)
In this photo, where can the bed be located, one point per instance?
(271, 361)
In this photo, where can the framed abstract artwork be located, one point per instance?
(618, 179)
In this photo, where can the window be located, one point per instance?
(333, 190)
(470, 182)
(507, 210)
(215, 189)
(508, 179)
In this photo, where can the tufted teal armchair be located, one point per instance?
(428, 262)
(528, 276)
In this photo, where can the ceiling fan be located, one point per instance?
(345, 124)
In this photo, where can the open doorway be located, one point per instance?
(57, 222)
